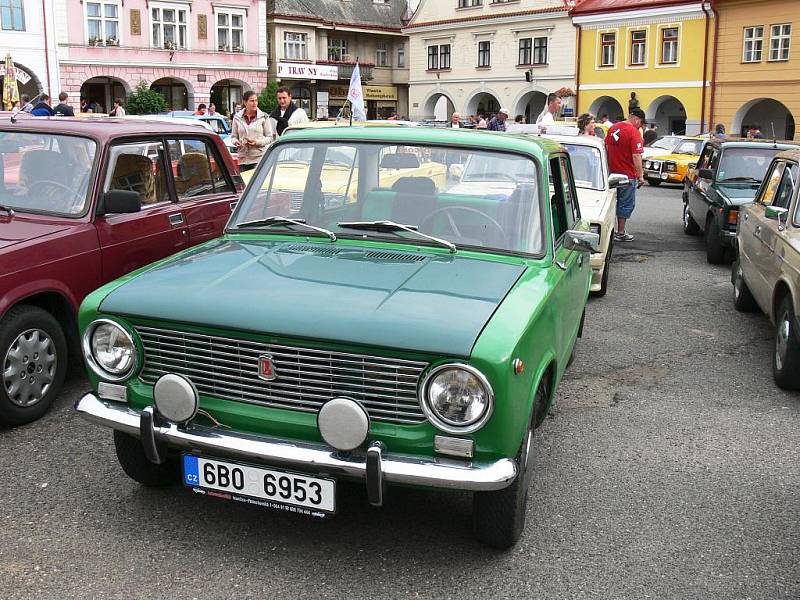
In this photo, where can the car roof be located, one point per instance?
(187, 114)
(790, 154)
(103, 128)
(580, 140)
(426, 135)
(746, 143)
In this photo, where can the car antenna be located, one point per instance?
(774, 137)
(19, 109)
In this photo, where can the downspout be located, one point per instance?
(714, 62)
(578, 71)
(46, 48)
(705, 73)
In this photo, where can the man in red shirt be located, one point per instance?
(624, 145)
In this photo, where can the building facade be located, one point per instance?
(476, 56)
(27, 32)
(191, 51)
(315, 44)
(654, 48)
(757, 67)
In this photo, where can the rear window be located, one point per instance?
(45, 173)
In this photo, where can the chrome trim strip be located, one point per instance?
(316, 457)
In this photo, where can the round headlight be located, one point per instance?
(457, 398)
(109, 350)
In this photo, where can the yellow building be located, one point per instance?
(756, 77)
(653, 48)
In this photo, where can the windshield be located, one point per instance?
(689, 147)
(587, 167)
(745, 163)
(468, 197)
(45, 173)
(666, 143)
(218, 125)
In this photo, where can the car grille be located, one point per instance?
(306, 378)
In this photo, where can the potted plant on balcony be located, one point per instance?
(93, 40)
(238, 49)
(223, 48)
(112, 41)
(169, 45)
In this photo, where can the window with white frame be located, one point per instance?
(540, 50)
(12, 15)
(170, 25)
(669, 45)
(638, 47)
(608, 49)
(484, 54)
(753, 44)
(102, 23)
(338, 49)
(230, 30)
(295, 45)
(439, 57)
(780, 37)
(468, 3)
(444, 56)
(525, 51)
(401, 55)
(381, 55)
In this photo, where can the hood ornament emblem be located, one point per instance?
(266, 368)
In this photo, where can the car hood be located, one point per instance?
(737, 194)
(376, 297)
(20, 229)
(684, 159)
(592, 203)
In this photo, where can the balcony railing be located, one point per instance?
(346, 68)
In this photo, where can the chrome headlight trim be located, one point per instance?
(88, 353)
(440, 423)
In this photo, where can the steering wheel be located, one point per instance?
(67, 203)
(449, 210)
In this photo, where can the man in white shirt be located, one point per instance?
(455, 121)
(605, 120)
(286, 113)
(546, 117)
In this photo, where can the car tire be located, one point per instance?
(786, 357)
(654, 182)
(743, 300)
(606, 268)
(499, 516)
(715, 252)
(133, 461)
(32, 344)
(690, 226)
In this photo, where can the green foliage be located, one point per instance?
(144, 101)
(266, 99)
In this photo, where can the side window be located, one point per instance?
(557, 204)
(783, 197)
(138, 167)
(771, 182)
(196, 168)
(709, 159)
(573, 211)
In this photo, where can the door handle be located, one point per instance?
(176, 219)
(746, 216)
(233, 204)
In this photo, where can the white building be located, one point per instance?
(475, 56)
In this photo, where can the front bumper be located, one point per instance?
(305, 456)
(669, 177)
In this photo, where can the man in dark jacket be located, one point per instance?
(43, 109)
(287, 113)
(63, 109)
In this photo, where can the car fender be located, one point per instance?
(19, 293)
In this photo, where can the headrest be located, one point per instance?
(399, 160)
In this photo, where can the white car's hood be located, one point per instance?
(593, 203)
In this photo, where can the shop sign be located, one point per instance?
(371, 92)
(22, 76)
(296, 71)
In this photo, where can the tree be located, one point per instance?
(266, 99)
(144, 101)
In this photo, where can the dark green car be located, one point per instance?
(728, 175)
(387, 305)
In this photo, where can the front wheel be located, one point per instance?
(743, 300)
(786, 361)
(33, 357)
(499, 516)
(606, 268)
(715, 252)
(690, 226)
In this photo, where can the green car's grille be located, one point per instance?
(305, 379)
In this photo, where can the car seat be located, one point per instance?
(415, 200)
(194, 175)
(134, 172)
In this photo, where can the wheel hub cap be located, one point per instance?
(781, 342)
(29, 367)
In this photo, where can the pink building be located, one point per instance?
(192, 51)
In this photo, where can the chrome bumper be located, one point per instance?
(306, 456)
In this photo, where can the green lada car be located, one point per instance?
(401, 331)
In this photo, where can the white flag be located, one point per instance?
(356, 96)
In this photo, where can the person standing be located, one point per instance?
(43, 108)
(624, 145)
(551, 108)
(605, 120)
(519, 119)
(586, 124)
(201, 109)
(118, 110)
(481, 122)
(651, 135)
(252, 132)
(719, 131)
(63, 109)
(212, 109)
(286, 113)
(455, 121)
(498, 122)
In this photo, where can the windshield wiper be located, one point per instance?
(741, 178)
(390, 226)
(8, 209)
(277, 220)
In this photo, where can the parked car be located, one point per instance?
(84, 202)
(397, 334)
(672, 167)
(663, 145)
(766, 274)
(728, 175)
(217, 123)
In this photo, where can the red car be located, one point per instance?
(82, 202)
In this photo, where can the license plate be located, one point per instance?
(272, 488)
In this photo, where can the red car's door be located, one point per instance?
(203, 185)
(129, 241)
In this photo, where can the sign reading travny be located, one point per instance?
(296, 71)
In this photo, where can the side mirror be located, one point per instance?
(616, 180)
(706, 174)
(582, 241)
(120, 201)
(777, 212)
